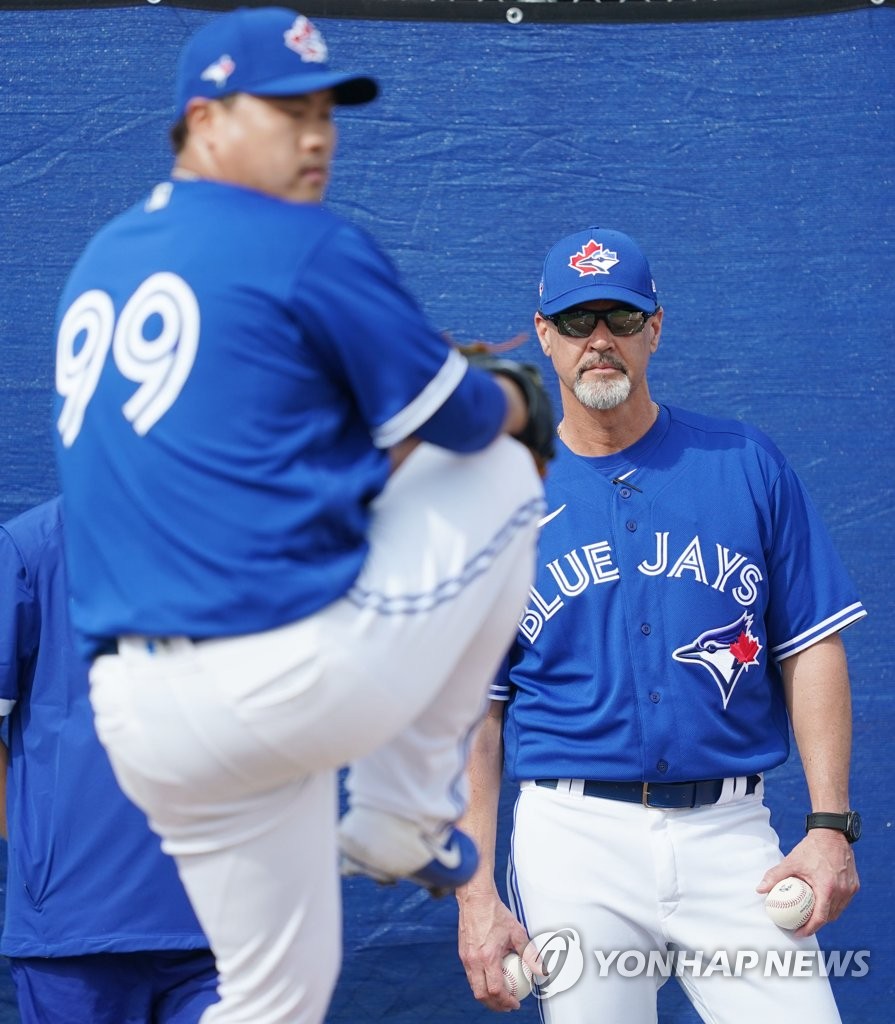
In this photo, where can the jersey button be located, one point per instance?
(631, 525)
(655, 697)
(625, 492)
(646, 629)
(662, 766)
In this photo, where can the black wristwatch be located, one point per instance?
(849, 823)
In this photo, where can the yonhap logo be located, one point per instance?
(562, 962)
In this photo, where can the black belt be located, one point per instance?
(664, 795)
(110, 645)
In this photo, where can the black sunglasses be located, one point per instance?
(581, 323)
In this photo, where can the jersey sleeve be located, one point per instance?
(19, 624)
(811, 594)
(405, 377)
(500, 684)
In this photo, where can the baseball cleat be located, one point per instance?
(455, 859)
(389, 849)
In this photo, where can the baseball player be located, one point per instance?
(687, 608)
(97, 925)
(298, 533)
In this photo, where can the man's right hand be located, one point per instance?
(487, 932)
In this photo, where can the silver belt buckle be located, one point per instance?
(644, 796)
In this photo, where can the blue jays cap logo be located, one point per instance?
(262, 51)
(306, 41)
(593, 259)
(725, 653)
(219, 71)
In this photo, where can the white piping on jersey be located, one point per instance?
(428, 401)
(833, 624)
(553, 515)
(447, 589)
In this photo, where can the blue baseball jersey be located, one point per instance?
(85, 874)
(231, 369)
(673, 578)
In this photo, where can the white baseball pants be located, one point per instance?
(630, 880)
(231, 746)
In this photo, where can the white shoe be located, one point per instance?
(387, 848)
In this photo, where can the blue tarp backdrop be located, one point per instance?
(753, 160)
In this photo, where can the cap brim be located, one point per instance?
(349, 90)
(593, 292)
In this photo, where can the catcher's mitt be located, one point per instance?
(538, 433)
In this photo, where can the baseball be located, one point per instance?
(789, 903)
(516, 975)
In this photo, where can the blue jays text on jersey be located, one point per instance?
(673, 577)
(231, 369)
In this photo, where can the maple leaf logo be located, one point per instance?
(306, 40)
(745, 649)
(593, 259)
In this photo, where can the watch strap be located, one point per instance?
(840, 822)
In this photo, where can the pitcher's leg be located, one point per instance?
(255, 845)
(421, 772)
(265, 888)
(406, 795)
(440, 645)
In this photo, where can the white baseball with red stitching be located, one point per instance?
(790, 902)
(516, 975)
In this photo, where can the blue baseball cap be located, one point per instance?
(263, 51)
(596, 263)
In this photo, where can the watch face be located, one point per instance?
(854, 826)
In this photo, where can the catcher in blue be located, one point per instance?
(97, 926)
(687, 607)
(299, 533)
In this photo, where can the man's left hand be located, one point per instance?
(825, 860)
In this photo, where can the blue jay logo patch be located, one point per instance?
(725, 653)
(593, 259)
(220, 71)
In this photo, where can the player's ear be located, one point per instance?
(655, 322)
(199, 115)
(542, 327)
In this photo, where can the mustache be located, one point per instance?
(606, 360)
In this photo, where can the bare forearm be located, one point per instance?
(487, 929)
(480, 821)
(819, 700)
